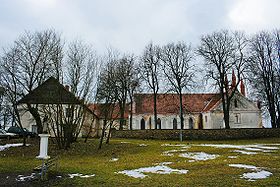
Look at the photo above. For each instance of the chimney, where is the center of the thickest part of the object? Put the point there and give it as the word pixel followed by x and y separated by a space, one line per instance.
pixel 67 87
pixel 242 88
pixel 233 79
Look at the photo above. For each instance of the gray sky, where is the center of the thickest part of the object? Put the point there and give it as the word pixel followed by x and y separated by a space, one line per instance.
pixel 129 25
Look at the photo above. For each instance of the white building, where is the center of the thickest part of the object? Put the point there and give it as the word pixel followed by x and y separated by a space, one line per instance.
pixel 201 111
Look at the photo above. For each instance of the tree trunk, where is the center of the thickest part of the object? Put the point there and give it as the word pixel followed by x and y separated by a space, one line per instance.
pixel 131 107
pixel 225 108
pixel 102 134
pixel 181 111
pixel 226 119
pixel 155 110
pixel 109 134
pixel 122 111
pixel 34 112
pixel 24 140
pixel 181 117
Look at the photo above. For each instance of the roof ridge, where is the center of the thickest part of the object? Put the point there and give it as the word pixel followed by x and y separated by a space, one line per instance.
pixel 177 94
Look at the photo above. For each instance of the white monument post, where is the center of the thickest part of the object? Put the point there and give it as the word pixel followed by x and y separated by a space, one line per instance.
pixel 43 155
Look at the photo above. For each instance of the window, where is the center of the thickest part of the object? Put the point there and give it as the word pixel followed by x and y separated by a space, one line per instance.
pixel 205 118
pixel 190 123
pixel 142 124
pixel 159 123
pixel 237 118
pixel 174 123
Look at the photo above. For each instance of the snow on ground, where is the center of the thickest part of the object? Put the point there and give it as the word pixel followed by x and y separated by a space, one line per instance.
pixel 171 152
pixel 232 156
pixel 252 176
pixel 3 147
pixel 80 175
pixel 175 145
pixel 245 149
pixel 244 166
pixel 143 145
pixel 164 163
pixel 198 156
pixel 124 142
pixel 114 159
pixel 245 152
pixel 22 178
pixel 160 169
pixel 257 173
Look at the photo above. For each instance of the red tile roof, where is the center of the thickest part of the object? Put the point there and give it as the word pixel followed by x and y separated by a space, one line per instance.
pixel 169 103
pixel 99 109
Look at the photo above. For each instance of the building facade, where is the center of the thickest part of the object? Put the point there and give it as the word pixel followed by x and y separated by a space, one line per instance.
pixel 201 111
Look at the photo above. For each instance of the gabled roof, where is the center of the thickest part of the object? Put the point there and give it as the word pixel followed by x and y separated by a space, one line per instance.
pixel 169 103
pixel 50 92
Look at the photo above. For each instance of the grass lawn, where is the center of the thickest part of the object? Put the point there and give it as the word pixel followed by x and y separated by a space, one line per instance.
pixel 84 158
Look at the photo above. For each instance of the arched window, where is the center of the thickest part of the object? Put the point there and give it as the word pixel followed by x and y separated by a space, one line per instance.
pixel 142 124
pixel 190 123
pixel 159 123
pixel 174 123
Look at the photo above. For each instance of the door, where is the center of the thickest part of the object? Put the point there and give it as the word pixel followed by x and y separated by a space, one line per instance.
pixel 142 124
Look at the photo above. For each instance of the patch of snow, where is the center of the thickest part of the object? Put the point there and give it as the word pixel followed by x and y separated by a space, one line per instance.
pixel 245 152
pixel 133 173
pixel 80 175
pixel 22 178
pixel 114 159
pixel 252 176
pixel 256 175
pixel 232 156
pixel 244 166
pixel 164 163
pixel 173 151
pixel 198 156
pixel 3 147
pixel 143 145
pixel 160 169
pixel 265 146
pixel 167 154
pixel 253 147
pixel 277 144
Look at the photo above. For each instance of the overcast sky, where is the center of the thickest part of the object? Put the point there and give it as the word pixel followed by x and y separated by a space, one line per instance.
pixel 129 25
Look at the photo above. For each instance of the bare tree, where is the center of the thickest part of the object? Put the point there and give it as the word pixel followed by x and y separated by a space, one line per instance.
pixel 150 72
pixel 178 70
pixel 134 85
pixel 265 72
pixel 33 58
pixel 124 73
pixel 223 52
pixel 82 69
pixel 107 94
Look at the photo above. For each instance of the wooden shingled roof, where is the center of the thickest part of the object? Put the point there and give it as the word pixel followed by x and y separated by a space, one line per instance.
pixel 50 92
